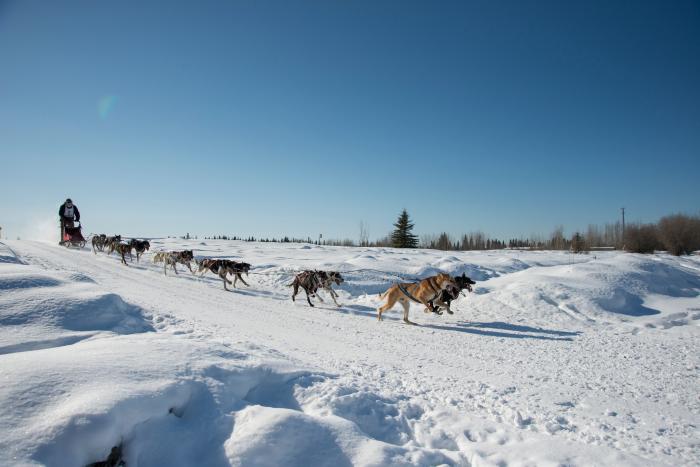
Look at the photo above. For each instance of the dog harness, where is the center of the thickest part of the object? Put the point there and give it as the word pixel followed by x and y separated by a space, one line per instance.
pixel 408 294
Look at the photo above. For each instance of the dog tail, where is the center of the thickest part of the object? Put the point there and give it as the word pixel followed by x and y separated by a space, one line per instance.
pixel 294 282
pixel 381 295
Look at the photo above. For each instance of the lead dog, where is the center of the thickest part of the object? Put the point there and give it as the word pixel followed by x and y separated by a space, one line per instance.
pixel 311 281
pixel 463 283
pixel 171 258
pixel 423 292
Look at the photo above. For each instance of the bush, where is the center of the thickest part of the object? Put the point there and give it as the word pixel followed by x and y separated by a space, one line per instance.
pixel 680 234
pixel 641 238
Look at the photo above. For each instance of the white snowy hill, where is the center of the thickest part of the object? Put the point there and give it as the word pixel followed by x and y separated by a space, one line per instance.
pixel 553 360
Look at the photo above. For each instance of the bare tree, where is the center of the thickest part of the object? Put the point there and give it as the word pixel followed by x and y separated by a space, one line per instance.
pixel 680 234
pixel 641 238
pixel 364 234
pixel 557 240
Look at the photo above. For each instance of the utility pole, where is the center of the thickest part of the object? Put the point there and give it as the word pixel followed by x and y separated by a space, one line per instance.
pixel 623 227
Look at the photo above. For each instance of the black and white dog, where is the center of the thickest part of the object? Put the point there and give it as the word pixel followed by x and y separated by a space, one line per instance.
pixel 224 267
pixel 140 247
pixel 311 281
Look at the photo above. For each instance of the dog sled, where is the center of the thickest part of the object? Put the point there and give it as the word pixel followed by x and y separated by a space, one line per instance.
pixel 72 235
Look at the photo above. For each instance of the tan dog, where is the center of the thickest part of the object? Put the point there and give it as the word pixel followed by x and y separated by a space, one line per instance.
pixel 423 292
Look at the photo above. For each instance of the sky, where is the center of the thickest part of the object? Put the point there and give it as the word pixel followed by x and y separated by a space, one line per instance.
pixel 303 118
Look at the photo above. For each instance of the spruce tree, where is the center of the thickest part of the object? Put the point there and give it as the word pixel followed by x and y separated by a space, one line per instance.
pixel 402 236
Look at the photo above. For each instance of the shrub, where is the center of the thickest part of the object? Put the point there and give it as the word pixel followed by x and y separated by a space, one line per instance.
pixel 641 238
pixel 680 234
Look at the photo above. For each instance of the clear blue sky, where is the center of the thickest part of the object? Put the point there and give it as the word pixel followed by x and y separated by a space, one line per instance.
pixel 272 118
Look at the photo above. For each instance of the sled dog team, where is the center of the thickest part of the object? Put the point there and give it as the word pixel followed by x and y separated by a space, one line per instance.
pixel 434 292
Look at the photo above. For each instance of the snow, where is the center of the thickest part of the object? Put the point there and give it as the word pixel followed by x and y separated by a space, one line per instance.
pixel 553 360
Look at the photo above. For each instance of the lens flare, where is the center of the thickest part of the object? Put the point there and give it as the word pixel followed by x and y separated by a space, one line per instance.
pixel 105 105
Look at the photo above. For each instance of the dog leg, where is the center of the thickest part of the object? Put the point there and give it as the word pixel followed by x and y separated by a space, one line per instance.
pixel 383 308
pixel 307 298
pixel 333 295
pixel 447 307
pixel 241 279
pixel 431 307
pixel 222 275
pixel 406 307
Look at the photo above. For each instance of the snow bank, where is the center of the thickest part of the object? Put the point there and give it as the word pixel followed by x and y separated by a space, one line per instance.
pixel 626 288
pixel 39 309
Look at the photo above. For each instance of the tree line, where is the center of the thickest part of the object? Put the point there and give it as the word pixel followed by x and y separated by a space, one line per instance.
pixel 678 234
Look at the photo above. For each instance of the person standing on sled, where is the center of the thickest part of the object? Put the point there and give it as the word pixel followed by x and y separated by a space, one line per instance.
pixel 68 212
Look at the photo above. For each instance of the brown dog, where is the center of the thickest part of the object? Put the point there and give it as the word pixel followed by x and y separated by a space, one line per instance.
pixel 111 243
pixel 123 249
pixel 423 292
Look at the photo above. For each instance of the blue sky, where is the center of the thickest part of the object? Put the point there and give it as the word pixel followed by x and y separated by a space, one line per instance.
pixel 299 118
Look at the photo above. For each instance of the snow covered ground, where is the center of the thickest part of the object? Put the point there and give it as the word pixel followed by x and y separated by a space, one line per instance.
pixel 553 360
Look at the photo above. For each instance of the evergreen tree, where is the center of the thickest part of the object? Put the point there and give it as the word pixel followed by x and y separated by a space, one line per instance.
pixel 578 244
pixel 402 236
